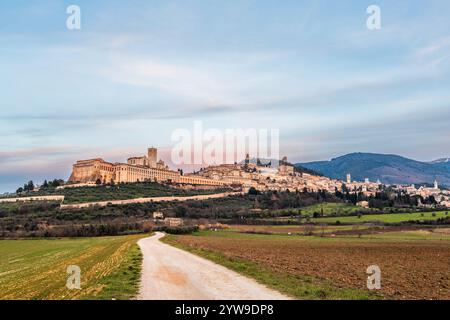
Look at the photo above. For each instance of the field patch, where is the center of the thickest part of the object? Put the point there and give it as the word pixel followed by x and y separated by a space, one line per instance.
pixel 331 268
pixel 36 269
pixel 387 217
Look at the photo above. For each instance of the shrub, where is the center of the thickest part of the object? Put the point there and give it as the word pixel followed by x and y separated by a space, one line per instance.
pixel 177 230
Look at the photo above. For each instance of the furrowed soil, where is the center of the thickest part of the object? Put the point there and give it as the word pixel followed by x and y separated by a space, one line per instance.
pixel 409 269
pixel 37 269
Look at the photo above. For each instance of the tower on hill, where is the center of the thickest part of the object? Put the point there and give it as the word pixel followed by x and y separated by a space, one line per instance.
pixel 152 157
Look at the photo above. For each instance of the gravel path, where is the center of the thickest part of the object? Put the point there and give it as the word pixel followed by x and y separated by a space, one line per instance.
pixel 171 273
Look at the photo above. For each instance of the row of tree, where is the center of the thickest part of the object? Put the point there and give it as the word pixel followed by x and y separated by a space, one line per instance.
pixel 384 198
pixel 52 184
pixel 30 186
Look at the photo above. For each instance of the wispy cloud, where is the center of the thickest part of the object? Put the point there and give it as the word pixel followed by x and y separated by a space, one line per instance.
pixel 35 153
pixel 139 70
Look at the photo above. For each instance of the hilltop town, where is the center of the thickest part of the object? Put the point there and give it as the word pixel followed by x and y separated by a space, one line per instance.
pixel 261 176
pixel 248 174
pixel 256 174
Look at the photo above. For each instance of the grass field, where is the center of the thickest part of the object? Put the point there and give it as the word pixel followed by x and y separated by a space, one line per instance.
pixel 327 209
pixel 331 268
pixel 128 191
pixel 120 192
pixel 389 218
pixel 36 269
pixel 442 234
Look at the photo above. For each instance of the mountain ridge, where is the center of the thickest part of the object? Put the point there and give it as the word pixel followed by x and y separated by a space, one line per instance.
pixel 388 168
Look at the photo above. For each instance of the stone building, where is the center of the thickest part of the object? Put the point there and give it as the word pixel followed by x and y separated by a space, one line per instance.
pixel 173 222
pixel 137 169
pixel 246 175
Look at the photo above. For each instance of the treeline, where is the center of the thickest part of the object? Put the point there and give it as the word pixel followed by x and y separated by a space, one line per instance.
pixel 384 199
pixel 177 230
pixel 47 219
pixel 287 200
pixel 52 184
pixel 41 229
pixel 29 186
pixel 254 204
pixel 47 185
pixel 25 208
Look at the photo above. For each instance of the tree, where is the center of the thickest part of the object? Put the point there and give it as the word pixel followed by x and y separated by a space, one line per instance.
pixel 20 190
pixel 45 184
pixel 28 186
pixel 180 211
pixel 56 183
pixel 344 188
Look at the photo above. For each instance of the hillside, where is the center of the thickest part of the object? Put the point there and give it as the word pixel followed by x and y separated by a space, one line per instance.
pixel 388 168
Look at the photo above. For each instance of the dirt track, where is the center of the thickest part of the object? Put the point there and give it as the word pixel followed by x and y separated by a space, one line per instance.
pixel 171 273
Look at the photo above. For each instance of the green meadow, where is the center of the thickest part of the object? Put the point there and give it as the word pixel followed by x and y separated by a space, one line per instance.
pixel 37 269
pixel 388 218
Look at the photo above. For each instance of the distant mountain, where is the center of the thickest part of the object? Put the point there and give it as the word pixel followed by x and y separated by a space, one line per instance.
pixel 442 164
pixel 442 160
pixel 390 169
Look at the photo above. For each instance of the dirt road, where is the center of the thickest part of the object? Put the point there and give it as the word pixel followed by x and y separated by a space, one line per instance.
pixel 171 273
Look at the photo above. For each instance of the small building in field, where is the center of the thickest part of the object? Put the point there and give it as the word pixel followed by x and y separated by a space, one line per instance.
pixel 173 222
pixel 363 204
pixel 158 215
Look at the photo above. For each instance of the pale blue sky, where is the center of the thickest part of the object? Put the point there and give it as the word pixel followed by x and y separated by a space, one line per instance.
pixel 137 70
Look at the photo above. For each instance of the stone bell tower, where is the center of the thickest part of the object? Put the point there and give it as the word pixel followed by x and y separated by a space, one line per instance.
pixel 152 156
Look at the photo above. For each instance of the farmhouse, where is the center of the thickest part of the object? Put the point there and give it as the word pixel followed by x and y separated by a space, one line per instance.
pixel 173 222
pixel 158 215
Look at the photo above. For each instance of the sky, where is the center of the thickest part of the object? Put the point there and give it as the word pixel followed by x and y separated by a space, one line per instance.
pixel 138 70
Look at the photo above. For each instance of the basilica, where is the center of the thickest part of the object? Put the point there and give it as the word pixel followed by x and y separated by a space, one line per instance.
pixel 247 174
pixel 137 169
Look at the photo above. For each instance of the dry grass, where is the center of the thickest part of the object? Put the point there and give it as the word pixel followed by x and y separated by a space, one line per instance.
pixel 36 269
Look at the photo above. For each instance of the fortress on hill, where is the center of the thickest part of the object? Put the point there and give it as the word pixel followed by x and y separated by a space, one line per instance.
pixel 137 169
pixel 247 174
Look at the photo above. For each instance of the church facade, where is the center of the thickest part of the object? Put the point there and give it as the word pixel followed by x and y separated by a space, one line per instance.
pixel 137 169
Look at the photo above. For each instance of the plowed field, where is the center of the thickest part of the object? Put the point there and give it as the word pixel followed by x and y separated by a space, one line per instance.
pixel 409 269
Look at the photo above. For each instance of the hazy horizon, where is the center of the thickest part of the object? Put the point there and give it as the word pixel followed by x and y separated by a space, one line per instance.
pixel 62 172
